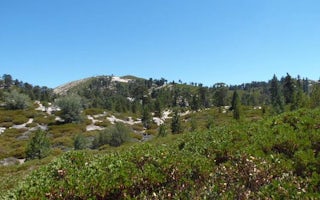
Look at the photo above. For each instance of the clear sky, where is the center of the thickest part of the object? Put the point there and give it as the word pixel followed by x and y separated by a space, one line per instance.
pixel 51 42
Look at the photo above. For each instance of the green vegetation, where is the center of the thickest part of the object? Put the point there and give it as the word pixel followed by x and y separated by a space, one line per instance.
pixel 252 141
pixel 38 147
pixel 276 158
pixel 113 136
pixel 15 100
pixel 80 142
pixel 71 108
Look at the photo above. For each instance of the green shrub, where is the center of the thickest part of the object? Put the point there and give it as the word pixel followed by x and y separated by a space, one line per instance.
pixel 93 111
pixel 62 142
pixel 80 142
pixel 32 125
pixel 114 136
pixel 5 118
pixel 38 146
pixel 15 100
pixel 44 120
pixel 103 123
pixel 20 120
pixel 138 127
pixel 71 108
pixel 6 124
pixel 66 129
pixel 152 132
pixel 136 136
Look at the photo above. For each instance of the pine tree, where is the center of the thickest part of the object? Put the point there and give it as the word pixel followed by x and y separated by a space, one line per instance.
pixel 80 142
pixel 176 124
pixel 236 105
pixel 195 103
pixel 146 117
pixel 276 96
pixel 288 89
pixel 162 131
pixel 158 108
pixel 38 147
pixel 315 95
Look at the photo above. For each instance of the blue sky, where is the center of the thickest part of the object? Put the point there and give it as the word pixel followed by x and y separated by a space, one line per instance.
pixel 205 41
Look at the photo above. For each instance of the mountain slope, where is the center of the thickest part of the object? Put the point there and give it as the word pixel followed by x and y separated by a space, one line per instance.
pixel 276 158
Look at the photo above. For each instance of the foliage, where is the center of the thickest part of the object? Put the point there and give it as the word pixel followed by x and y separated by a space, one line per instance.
pixel 38 147
pixel 276 96
pixel 71 108
pixel 162 131
pixel 80 142
pixel 114 136
pixel 276 158
pixel 15 100
pixel 146 117
pixel 236 105
pixel 176 127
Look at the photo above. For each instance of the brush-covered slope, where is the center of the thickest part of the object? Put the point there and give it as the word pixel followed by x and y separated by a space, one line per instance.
pixel 277 158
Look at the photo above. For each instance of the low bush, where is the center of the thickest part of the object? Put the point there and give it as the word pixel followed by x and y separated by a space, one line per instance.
pixel 44 120
pixel 93 111
pixel 6 124
pixel 20 120
pixel 66 129
pixel 103 123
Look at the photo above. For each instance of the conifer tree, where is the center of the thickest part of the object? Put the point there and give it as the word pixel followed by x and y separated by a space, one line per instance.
pixel 146 117
pixel 315 95
pixel 38 147
pixel 236 105
pixel 162 131
pixel 288 89
pixel 80 142
pixel 276 96
pixel 176 123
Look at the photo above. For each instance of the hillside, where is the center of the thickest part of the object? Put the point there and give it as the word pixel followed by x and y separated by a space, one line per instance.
pixel 160 139
pixel 277 158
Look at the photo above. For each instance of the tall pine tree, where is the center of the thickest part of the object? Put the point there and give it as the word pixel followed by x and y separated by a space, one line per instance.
pixel 236 105
pixel 288 89
pixel 176 123
pixel 276 96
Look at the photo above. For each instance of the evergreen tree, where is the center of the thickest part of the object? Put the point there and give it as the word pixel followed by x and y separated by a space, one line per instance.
pixel 305 85
pixel 7 78
pixel 315 95
pixel 119 135
pixel 236 105
pixel 193 124
pixel 203 96
pixel 162 131
pixel 80 142
pixel 221 94
pixel 276 96
pixel 146 117
pixel 195 103
pixel 38 147
pixel 176 123
pixel 158 108
pixel 288 89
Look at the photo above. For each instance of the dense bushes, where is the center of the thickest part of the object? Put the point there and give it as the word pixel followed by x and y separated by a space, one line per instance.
pixel 15 100
pixel 271 159
pixel 114 136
